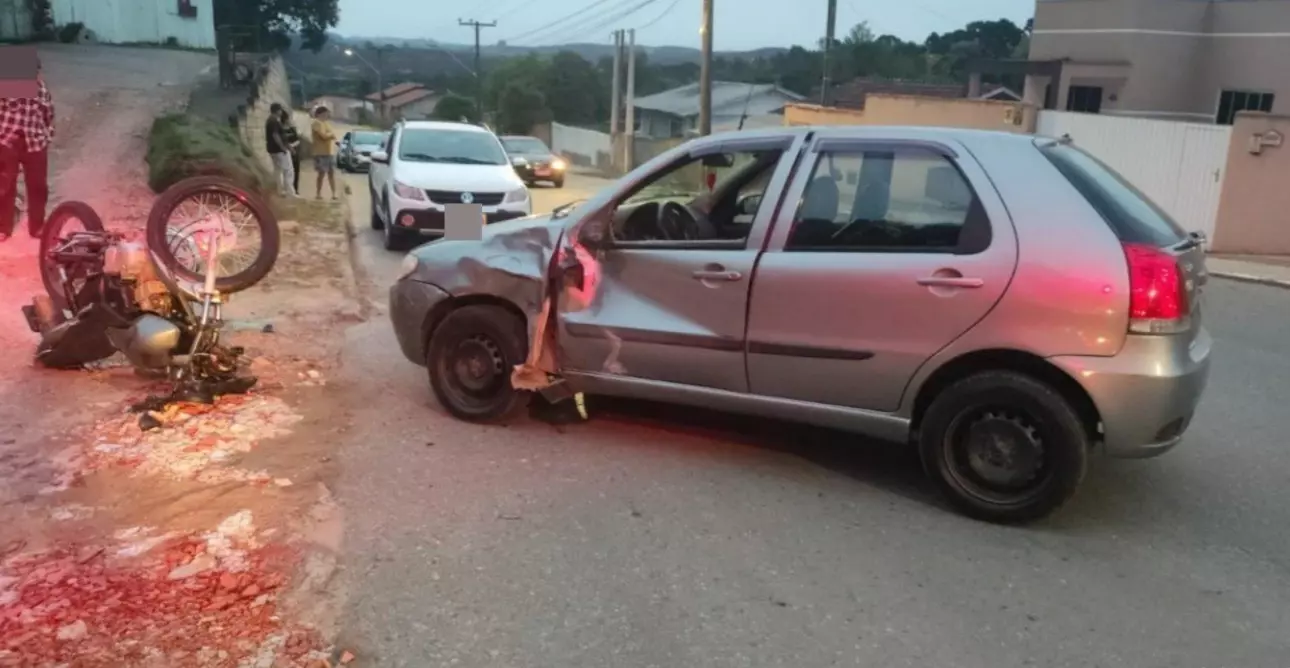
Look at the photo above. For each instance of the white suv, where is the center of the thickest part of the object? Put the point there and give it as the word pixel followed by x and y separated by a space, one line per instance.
pixel 426 165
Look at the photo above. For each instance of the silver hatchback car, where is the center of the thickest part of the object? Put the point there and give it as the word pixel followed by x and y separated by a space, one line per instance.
pixel 1006 303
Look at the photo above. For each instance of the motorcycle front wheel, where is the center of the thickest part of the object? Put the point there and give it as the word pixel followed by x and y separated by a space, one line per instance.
pixel 194 207
pixel 66 219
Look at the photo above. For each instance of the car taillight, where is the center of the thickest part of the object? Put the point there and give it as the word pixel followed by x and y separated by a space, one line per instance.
pixel 1157 291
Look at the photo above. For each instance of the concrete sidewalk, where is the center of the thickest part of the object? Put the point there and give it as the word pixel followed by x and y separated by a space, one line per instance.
pixel 1267 270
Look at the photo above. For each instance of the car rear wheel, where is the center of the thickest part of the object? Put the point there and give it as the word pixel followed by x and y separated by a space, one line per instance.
pixel 470 358
pixel 1004 447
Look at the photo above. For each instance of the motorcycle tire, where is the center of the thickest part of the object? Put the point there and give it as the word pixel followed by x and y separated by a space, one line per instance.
pixel 164 207
pixel 52 234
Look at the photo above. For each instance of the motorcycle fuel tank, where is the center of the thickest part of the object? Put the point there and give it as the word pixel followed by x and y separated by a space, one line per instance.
pixel 148 343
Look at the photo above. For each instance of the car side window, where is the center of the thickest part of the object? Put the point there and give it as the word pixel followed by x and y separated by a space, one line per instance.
pixel 889 201
pixel 713 198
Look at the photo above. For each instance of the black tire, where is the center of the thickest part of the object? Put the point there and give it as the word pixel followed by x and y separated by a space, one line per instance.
pixel 1047 429
pixel 270 235
pixel 559 183
pixel 49 238
pixel 376 215
pixel 473 331
pixel 393 238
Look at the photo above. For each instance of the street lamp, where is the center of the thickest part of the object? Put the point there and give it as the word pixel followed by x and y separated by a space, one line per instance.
pixel 380 83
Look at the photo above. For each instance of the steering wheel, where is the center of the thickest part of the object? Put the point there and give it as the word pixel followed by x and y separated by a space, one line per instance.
pixel 677 223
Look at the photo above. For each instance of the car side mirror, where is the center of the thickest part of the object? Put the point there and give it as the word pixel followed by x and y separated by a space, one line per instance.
pixel 748 204
pixel 381 157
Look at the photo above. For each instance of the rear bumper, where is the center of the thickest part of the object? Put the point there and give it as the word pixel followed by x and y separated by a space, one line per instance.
pixel 1147 394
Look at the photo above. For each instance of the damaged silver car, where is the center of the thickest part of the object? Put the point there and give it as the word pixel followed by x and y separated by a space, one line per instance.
pixel 1006 303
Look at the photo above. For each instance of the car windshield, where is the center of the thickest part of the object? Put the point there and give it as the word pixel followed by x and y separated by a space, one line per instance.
pixel 368 138
pixel 463 147
pixel 525 145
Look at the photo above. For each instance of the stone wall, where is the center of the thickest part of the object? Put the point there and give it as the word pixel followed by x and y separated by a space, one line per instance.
pixel 271 85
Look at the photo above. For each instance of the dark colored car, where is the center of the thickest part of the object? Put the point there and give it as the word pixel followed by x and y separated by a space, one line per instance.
pixel 533 161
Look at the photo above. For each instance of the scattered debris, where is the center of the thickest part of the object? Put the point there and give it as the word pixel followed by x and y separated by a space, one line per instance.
pixel 193 441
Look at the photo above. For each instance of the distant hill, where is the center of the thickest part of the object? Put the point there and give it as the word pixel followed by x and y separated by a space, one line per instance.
pixel 661 55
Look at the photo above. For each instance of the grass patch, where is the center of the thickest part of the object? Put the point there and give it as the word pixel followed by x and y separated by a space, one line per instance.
pixel 181 146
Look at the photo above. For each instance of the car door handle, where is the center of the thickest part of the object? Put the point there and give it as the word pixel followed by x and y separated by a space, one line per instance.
pixel 716 275
pixel 951 282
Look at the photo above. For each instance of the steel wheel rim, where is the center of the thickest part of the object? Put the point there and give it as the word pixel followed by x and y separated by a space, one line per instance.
pixel 999 455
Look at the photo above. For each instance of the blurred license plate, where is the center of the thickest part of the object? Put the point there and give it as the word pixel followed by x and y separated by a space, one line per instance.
pixel 542 171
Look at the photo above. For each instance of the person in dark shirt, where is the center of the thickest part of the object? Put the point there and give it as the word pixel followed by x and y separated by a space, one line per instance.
pixel 292 135
pixel 275 142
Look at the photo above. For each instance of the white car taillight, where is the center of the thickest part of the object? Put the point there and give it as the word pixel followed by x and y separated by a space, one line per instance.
pixel 408 192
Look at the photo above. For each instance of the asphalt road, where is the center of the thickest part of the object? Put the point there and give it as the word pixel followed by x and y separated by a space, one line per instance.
pixel 658 537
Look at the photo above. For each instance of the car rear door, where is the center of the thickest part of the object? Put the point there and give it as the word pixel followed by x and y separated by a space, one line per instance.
pixel 897 248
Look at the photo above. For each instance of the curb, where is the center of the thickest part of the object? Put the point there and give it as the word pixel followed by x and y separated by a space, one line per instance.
pixel 1251 278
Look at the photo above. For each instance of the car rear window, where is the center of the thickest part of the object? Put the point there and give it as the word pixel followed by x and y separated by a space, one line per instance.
pixel 1131 215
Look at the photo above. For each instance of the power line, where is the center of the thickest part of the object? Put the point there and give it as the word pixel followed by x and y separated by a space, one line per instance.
pixel 660 17
pixel 556 22
pixel 584 29
pixel 576 27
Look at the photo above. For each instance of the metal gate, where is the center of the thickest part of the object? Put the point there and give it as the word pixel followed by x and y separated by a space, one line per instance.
pixel 1179 166
pixel 15 21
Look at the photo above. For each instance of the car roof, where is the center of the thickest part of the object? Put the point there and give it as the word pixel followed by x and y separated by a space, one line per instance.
pixel 444 125
pixel 519 137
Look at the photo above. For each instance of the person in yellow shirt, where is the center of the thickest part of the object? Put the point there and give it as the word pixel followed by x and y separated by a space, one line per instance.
pixel 324 150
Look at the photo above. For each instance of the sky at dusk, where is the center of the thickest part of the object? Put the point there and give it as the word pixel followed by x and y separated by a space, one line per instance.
pixel 739 24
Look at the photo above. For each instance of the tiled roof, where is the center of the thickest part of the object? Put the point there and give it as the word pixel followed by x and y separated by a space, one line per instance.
pixel 408 98
pixel 395 91
pixel 852 94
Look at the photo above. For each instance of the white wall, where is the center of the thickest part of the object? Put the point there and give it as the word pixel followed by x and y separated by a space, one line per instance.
pixel 1180 166
pixel 150 21
pixel 579 145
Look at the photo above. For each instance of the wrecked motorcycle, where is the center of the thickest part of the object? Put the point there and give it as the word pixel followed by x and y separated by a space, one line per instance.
pixel 158 303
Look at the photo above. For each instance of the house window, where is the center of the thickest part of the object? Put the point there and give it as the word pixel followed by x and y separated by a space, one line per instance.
pixel 676 127
pixel 187 9
pixel 1232 101
pixel 1087 99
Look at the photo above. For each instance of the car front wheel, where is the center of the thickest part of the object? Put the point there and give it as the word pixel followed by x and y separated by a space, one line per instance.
pixel 1004 447
pixel 470 358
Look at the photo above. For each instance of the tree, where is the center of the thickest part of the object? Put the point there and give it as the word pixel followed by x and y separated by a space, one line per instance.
pixel 521 107
pixel 530 70
pixel 453 107
pixel 268 25
pixel 572 88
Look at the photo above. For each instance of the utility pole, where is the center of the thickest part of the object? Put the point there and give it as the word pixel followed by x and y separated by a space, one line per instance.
pixel 826 82
pixel 479 90
pixel 380 84
pixel 705 72
pixel 630 127
pixel 615 99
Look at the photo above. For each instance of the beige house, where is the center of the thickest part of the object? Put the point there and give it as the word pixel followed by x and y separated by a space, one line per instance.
pixel 1187 60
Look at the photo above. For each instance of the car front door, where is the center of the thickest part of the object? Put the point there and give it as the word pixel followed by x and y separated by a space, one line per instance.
pixel 897 248
pixel 670 309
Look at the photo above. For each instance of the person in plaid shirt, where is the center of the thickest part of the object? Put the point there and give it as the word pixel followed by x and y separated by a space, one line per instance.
pixel 26 129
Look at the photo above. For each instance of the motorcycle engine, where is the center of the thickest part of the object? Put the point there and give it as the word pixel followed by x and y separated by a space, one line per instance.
pixel 129 261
